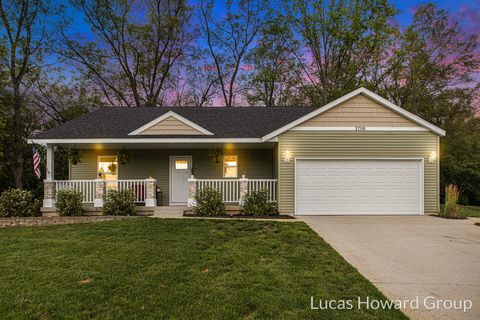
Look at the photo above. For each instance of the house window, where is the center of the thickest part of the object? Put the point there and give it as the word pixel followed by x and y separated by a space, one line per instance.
pixel 107 167
pixel 181 164
pixel 230 167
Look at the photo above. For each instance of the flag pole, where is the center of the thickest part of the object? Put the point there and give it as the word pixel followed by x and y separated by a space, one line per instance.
pixel 41 158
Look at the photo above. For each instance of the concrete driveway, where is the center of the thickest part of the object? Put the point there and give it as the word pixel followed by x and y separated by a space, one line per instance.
pixel 406 257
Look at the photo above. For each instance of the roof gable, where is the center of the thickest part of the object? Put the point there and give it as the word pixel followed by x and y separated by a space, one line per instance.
pixel 359 110
pixel 367 93
pixel 170 123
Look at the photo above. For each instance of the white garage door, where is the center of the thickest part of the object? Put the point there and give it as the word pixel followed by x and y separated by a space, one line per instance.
pixel 335 187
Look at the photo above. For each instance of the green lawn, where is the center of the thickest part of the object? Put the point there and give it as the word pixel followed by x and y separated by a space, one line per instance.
pixel 186 269
pixel 468 211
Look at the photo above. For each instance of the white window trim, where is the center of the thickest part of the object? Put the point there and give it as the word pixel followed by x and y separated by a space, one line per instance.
pixel 173 115
pixel 223 165
pixel 106 156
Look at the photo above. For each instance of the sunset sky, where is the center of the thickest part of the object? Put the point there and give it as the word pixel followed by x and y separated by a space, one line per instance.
pixel 467 12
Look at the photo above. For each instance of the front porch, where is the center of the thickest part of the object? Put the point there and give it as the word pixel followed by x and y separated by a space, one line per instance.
pixel 165 177
pixel 95 191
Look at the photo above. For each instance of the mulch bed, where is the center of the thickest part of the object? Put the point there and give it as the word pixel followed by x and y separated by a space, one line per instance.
pixel 236 215
pixel 45 221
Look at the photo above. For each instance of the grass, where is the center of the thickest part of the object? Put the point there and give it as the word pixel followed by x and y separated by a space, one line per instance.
pixel 185 269
pixel 467 211
pixel 470 211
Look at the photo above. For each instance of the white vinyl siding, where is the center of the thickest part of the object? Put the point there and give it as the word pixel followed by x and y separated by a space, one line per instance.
pixel 356 145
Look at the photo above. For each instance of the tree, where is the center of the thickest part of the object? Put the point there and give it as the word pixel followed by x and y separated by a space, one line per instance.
pixel 60 100
pixel 342 38
pixel 130 59
pixel 430 72
pixel 193 82
pixel 275 78
pixel 201 81
pixel 433 60
pixel 24 36
pixel 229 39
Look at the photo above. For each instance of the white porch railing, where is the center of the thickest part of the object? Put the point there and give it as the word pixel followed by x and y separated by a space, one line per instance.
pixel 269 184
pixel 88 188
pixel 231 188
pixel 139 187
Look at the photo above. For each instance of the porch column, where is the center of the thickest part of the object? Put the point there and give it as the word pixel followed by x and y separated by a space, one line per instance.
pixel 48 183
pixel 192 191
pixel 243 189
pixel 99 192
pixel 150 199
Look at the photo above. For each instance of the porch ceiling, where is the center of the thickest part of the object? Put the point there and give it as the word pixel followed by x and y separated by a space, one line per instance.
pixel 177 145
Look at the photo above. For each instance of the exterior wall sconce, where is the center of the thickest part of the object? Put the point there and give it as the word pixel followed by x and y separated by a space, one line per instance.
pixel 287 156
pixel 433 156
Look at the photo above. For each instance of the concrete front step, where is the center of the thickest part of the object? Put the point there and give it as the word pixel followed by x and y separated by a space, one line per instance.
pixel 170 208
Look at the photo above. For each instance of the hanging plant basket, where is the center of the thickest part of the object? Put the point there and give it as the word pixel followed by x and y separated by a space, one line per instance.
pixel 124 156
pixel 74 155
pixel 217 155
pixel 112 167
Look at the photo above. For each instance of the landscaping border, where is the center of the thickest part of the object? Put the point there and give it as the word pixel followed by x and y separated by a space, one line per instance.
pixel 45 221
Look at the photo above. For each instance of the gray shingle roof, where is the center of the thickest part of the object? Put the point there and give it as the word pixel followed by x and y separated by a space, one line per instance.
pixel 223 122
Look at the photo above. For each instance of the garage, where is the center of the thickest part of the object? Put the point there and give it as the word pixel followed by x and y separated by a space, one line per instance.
pixel 358 186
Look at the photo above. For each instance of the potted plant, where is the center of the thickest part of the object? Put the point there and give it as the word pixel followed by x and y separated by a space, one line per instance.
pixel 217 154
pixel 124 156
pixel 191 173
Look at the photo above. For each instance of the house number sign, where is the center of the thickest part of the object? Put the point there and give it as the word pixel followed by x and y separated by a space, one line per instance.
pixel 360 128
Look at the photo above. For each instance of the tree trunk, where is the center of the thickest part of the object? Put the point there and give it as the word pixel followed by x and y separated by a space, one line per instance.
pixel 17 165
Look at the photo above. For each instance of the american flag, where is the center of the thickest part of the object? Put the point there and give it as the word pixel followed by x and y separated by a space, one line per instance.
pixel 36 163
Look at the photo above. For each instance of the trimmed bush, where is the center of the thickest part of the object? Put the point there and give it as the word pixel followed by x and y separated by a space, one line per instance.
pixel 452 194
pixel 209 202
pixel 257 204
pixel 119 203
pixel 69 203
pixel 18 203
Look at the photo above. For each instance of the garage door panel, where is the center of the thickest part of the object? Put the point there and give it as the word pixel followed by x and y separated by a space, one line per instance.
pixel 360 186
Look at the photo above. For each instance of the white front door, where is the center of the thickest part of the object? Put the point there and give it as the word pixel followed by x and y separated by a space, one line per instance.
pixel 361 186
pixel 180 171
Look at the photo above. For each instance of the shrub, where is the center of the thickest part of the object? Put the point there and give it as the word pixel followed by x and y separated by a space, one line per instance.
pixel 18 203
pixel 452 194
pixel 256 203
pixel 119 203
pixel 209 202
pixel 69 203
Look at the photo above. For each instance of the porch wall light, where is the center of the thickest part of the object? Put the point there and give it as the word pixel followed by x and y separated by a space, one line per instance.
pixel 433 156
pixel 287 156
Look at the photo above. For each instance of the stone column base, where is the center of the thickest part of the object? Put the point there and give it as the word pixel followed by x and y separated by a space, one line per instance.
pixel 48 203
pixel 98 203
pixel 48 194
pixel 150 202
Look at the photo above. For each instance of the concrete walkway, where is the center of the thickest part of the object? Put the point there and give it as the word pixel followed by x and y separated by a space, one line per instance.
pixel 406 257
